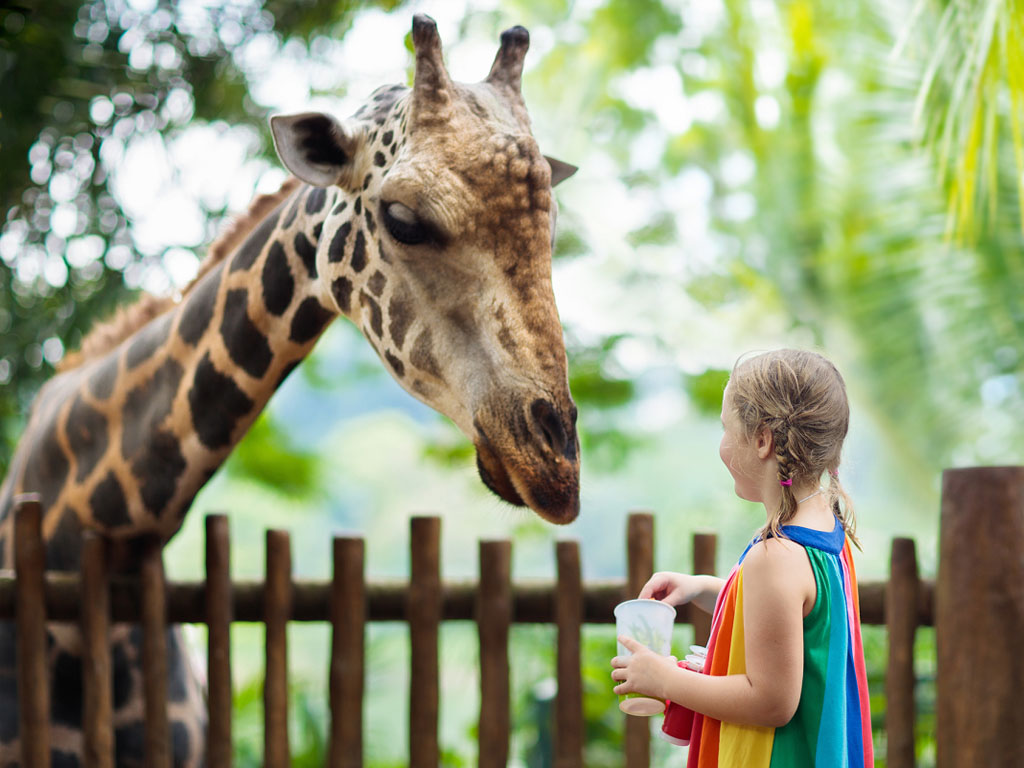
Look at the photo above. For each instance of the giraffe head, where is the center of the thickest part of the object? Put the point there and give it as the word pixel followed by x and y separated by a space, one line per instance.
pixel 438 247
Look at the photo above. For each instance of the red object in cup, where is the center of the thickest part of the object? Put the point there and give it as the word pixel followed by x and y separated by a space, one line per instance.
pixel 678 724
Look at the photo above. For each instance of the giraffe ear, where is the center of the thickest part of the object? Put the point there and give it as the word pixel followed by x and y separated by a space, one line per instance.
pixel 560 171
pixel 315 147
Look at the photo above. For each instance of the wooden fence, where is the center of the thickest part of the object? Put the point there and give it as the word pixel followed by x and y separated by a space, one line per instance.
pixel 95 599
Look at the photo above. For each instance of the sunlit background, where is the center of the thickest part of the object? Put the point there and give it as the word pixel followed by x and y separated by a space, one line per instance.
pixel 753 174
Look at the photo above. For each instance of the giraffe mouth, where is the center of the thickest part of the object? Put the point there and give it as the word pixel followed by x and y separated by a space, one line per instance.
pixel 550 487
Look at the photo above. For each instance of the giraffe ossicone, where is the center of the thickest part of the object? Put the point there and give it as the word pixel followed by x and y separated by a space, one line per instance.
pixel 427 219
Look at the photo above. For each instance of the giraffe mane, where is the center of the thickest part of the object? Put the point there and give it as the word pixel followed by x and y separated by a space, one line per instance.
pixel 126 320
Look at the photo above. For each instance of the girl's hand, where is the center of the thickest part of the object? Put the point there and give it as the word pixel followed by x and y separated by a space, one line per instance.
pixel 670 587
pixel 644 672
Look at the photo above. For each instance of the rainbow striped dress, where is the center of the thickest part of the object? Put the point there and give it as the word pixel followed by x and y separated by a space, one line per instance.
pixel 832 724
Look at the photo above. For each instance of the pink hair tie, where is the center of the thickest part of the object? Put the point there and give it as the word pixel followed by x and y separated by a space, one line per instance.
pixel 786 482
pixel 834 472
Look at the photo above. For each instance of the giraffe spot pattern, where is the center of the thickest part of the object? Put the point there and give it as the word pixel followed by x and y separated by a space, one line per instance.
pixel 63 548
pixel 278 283
pixel 293 211
pixel 307 251
pixel 315 199
pixel 61 759
pixel 198 311
pixel 379 159
pixel 366 301
pixel 400 317
pixel 359 252
pixel 251 249
pixel 336 251
pixel 396 365
pixel 46 469
pixel 371 223
pixel 357 206
pixel 217 403
pixel 309 320
pixel 147 341
pixel 246 344
pixel 108 504
pixel 287 372
pixel 66 690
pixel 87 435
pixel 422 354
pixel 123 684
pixel 102 380
pixel 147 406
pixel 158 468
pixel 377 283
pixel 341 289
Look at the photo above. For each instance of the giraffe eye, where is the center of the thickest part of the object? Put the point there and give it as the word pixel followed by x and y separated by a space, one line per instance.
pixel 404 225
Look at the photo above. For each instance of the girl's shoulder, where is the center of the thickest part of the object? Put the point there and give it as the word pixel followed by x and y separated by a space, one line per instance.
pixel 780 567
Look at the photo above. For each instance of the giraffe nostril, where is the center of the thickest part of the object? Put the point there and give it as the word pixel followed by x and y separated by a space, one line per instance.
pixel 558 435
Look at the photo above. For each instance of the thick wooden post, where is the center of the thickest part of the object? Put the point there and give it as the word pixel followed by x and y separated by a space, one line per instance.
pixel 424 611
pixel 348 653
pixel 97 701
pixel 30 621
pixel 494 619
pixel 277 611
pixel 218 593
pixel 639 568
pixel 901 619
pixel 153 611
pixel 979 618
pixel 568 736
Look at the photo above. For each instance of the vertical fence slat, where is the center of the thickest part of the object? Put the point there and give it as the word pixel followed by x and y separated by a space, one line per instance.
pixel 901 619
pixel 153 613
pixel 97 696
pixel 494 617
pixel 979 618
pixel 277 608
pixel 424 614
pixel 639 568
pixel 705 548
pixel 218 620
pixel 30 621
pixel 348 653
pixel 568 736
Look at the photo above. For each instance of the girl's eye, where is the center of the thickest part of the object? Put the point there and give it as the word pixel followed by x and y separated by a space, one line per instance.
pixel 404 225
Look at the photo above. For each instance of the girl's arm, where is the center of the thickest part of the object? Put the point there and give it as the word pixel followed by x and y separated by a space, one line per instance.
pixel 778 589
pixel 678 588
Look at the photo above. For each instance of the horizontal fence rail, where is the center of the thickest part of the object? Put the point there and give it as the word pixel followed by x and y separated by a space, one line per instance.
pixel 96 598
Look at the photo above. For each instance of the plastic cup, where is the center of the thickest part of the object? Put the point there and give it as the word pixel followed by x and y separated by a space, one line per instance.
pixel 648 622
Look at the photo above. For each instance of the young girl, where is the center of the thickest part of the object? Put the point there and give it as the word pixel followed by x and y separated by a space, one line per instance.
pixel 783 681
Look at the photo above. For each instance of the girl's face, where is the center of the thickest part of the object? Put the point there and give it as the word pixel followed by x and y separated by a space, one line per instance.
pixel 739 453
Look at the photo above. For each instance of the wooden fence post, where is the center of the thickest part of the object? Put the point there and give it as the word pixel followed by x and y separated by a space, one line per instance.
pixel 423 608
pixel 154 653
pixel 30 612
pixel 979 618
pixel 494 618
pixel 277 610
pixel 639 568
pixel 901 602
pixel 218 591
pixel 348 653
pixel 568 736
pixel 97 702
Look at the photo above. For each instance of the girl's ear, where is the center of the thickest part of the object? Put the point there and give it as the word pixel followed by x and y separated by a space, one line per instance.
pixel 765 443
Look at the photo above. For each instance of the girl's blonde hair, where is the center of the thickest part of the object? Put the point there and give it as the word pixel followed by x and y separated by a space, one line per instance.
pixel 801 398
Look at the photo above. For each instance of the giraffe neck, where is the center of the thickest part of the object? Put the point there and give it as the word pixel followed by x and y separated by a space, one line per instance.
pixel 123 443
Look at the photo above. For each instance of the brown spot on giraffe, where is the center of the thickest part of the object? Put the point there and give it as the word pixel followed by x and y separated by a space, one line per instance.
pixel 426 219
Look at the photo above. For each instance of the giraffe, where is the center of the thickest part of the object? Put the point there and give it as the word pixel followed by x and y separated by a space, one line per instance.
pixel 427 219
